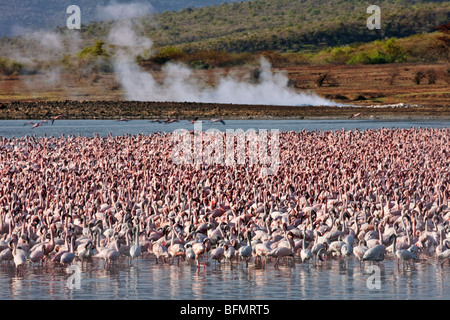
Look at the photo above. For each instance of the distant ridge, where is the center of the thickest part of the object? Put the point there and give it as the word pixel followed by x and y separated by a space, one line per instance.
pixel 306 26
pixel 17 17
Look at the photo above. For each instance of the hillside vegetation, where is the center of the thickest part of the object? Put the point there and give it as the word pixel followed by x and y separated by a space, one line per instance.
pixel 427 47
pixel 286 32
pixel 284 25
pixel 18 16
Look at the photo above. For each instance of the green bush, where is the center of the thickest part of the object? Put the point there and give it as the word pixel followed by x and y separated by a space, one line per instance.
pixel 201 59
pixel 359 58
pixel 393 51
pixel 9 67
pixel 388 51
pixel 95 50
pixel 167 54
pixel 91 59
pixel 339 55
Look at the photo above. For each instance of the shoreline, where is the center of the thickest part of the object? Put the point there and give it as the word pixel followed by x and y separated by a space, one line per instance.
pixel 76 109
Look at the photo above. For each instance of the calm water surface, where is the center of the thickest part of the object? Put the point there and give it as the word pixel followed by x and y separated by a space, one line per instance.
pixel 144 279
pixel 10 128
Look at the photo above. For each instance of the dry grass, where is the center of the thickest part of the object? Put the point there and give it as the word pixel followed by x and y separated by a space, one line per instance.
pixel 354 84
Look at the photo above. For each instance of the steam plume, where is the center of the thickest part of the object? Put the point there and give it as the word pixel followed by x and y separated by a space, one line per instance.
pixel 179 85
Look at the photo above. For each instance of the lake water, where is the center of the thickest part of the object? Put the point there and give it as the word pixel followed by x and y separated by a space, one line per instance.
pixel 10 128
pixel 144 279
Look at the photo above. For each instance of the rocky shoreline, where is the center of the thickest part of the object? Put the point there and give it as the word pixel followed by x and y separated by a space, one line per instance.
pixel 75 109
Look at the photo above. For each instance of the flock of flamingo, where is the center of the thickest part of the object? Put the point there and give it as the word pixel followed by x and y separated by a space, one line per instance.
pixel 368 195
pixel 168 120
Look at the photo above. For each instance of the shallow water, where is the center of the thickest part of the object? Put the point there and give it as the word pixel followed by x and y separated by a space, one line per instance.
pixel 144 279
pixel 16 128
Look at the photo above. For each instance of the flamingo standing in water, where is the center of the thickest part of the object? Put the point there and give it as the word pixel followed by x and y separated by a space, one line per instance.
pixel 19 257
pixel 160 251
pixel 346 249
pixel 282 251
pixel 305 253
pixel 261 251
pixel 84 252
pixel 67 257
pixel 230 250
pixel 37 255
pixel 189 252
pixel 375 254
pixel 135 248
pixel 401 254
pixel 50 245
pixel 217 254
pixel 444 256
pixel 176 249
pixel 110 255
pixel 6 255
pixel 245 252
pixel 360 250
pixel 199 250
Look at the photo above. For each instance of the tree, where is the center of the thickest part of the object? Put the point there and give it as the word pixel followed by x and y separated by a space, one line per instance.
pixel 419 76
pixel 91 59
pixel 442 42
pixel 9 67
pixel 394 52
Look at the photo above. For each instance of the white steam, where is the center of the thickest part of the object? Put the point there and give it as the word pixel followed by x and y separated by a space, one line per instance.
pixel 41 51
pixel 179 82
pixel 179 85
pixel 40 46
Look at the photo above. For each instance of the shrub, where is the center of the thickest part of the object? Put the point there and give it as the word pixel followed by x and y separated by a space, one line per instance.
pixel 392 75
pixel 384 52
pixel 94 50
pixel 339 55
pixel 276 59
pixel 9 67
pixel 91 59
pixel 419 76
pixel 326 78
pixel 363 57
pixel 431 75
pixel 167 54
pixel 394 52
pixel 373 57
pixel 378 57
pixel 297 58
pixel 447 75
pixel 205 59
